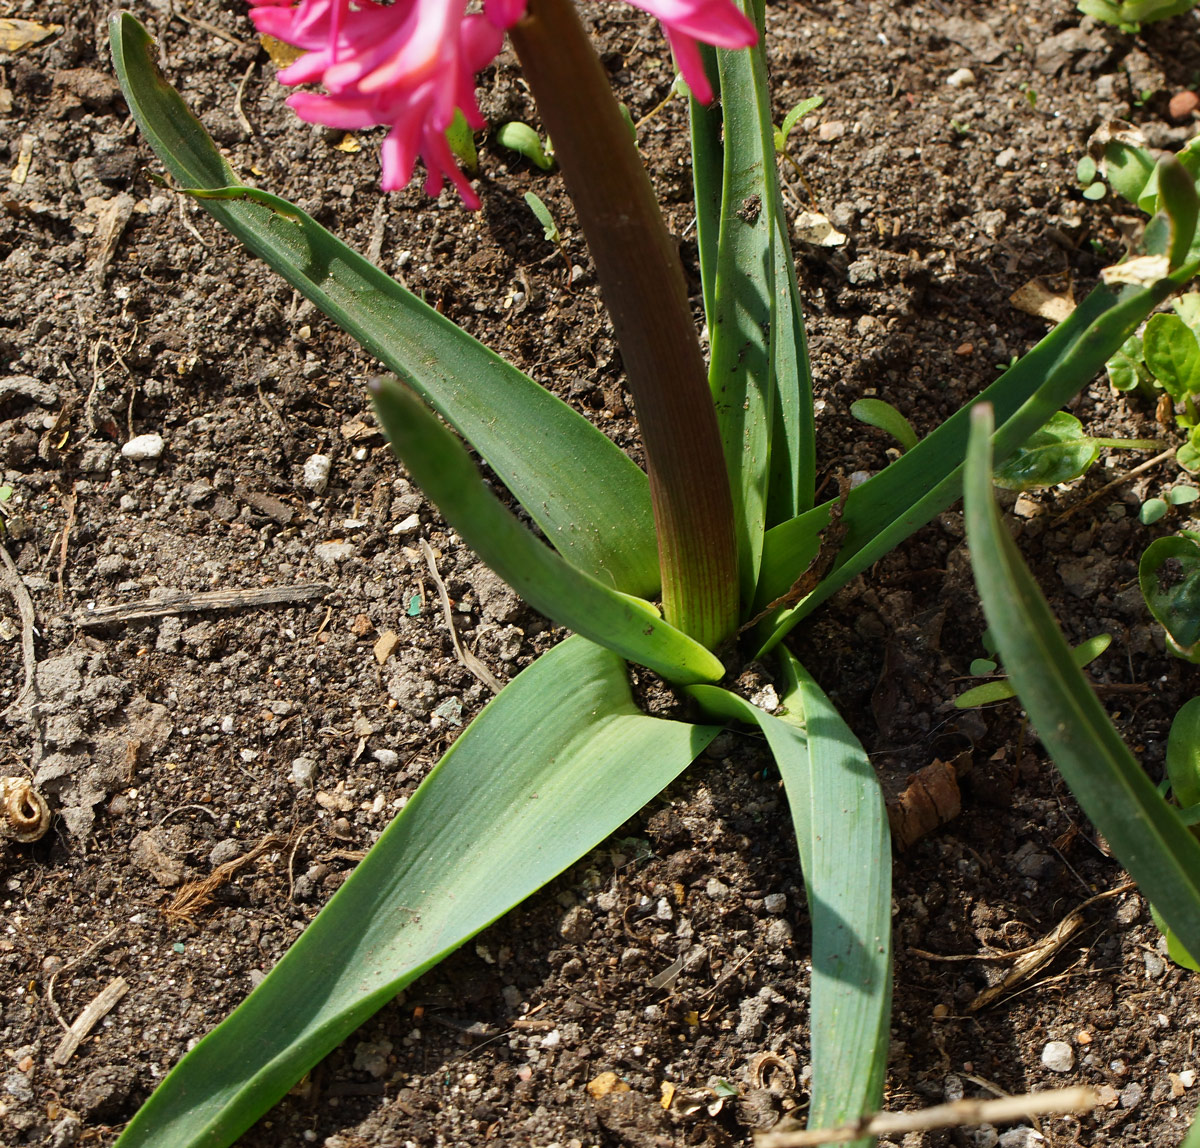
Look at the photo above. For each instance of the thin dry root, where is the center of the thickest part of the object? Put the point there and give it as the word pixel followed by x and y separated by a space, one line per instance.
pixel 24 814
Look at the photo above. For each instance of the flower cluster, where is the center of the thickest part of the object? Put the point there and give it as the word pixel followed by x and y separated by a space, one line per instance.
pixel 411 64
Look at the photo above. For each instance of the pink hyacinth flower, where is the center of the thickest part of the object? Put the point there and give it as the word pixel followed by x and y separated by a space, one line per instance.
pixel 688 23
pixel 411 64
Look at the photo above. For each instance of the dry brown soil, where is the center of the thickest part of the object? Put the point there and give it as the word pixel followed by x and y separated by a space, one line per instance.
pixel 169 747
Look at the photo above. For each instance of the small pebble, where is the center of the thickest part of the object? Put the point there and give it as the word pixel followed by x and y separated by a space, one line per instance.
pixel 986 1136
pixel 962 78
pixel 1187 1078
pixel 831 130
pixel 775 902
pixel 304 771
pixel 143 447
pixel 1155 965
pixel 1007 157
pixel 386 757
pixel 1132 1094
pixel 316 472
pixel 1021 1137
pixel 1182 105
pixel 224 851
pixel 333 552
pixel 1058 1056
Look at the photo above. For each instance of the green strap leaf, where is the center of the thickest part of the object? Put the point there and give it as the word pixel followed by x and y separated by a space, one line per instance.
pixel 744 311
pixel 440 465
pixel 561 469
pixel 838 811
pixel 1145 834
pixel 759 371
pixel 920 484
pixel 549 769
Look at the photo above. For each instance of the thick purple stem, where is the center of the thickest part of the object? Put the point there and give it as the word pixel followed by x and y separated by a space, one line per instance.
pixel 645 292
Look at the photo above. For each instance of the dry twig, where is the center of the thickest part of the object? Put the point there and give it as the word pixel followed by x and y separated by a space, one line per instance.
pixel 11 579
pixel 956 1114
pixel 182 602
pixel 196 895
pixel 97 1009
pixel 466 659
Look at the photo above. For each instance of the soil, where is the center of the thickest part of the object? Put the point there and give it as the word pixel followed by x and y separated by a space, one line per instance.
pixel 271 740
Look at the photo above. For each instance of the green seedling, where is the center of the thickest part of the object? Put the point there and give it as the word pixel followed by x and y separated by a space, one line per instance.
pixel 1130 15
pixel 462 143
pixel 1059 452
pixel 1086 171
pixel 792 119
pixel 1169 575
pixel 780 137
pixel 1154 509
pixel 883 416
pixel 522 139
pixel 550 229
pixel 1001 689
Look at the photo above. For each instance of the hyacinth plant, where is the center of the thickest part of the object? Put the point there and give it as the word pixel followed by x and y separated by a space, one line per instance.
pixel 702 562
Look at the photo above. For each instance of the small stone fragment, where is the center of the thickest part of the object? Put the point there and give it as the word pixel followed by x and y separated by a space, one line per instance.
pixel 605 1083
pixel 775 902
pixel 831 130
pixel 316 472
pixel 961 78
pixel 304 771
pixel 1007 157
pixel 1058 1056
pixel 143 447
pixel 333 552
pixel 1182 105
pixel 1131 1094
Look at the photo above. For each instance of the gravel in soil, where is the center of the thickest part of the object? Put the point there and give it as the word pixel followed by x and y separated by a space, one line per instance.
pixel 261 749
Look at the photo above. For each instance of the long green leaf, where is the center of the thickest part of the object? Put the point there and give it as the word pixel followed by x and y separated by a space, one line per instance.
pixel 708 165
pixel 743 315
pixel 920 484
pixel 1145 833
pixel 440 465
pixel 842 836
pixel 556 763
pixel 561 469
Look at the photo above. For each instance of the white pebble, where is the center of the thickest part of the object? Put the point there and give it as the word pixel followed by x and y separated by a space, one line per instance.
pixel 333 552
pixel 1021 1137
pixel 143 447
pixel 1187 1078
pixel 963 78
pixel 1058 1056
pixel 304 770
pixel 386 757
pixel 316 472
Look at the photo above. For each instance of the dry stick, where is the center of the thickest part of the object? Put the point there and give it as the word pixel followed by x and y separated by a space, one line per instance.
pixel 185 603
pixel 466 659
pixel 1031 958
pixel 1141 468
pixel 94 947
pixel 13 583
pixel 956 1114
pixel 72 501
pixel 97 1009
pixel 237 100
